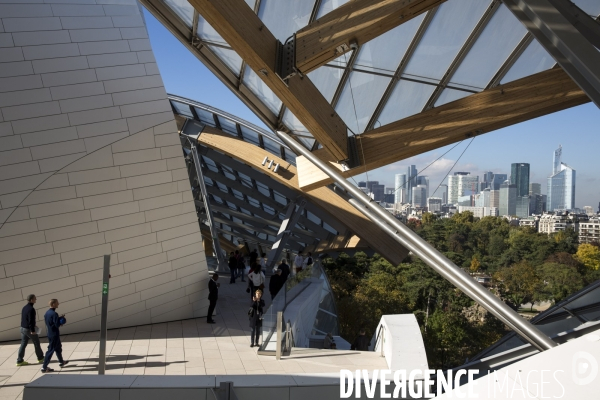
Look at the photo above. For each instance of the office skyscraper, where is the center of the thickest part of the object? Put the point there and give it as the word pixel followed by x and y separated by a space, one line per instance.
pixel 400 187
pixel 498 180
pixel 561 185
pixel 461 184
pixel 378 191
pixel 508 199
pixel 443 193
pixel 424 181
pixel 519 176
pixel 419 196
pixel 411 181
pixel 535 188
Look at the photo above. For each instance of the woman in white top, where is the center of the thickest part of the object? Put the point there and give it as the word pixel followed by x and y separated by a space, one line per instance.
pixel 256 280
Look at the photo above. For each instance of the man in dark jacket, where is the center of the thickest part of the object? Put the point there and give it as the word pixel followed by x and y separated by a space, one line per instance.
pixel 53 323
pixel 285 270
pixel 275 284
pixel 253 256
pixel 28 332
pixel 213 295
pixel 361 343
pixel 232 264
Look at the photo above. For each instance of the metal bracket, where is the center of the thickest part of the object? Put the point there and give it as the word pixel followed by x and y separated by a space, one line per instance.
pixel 285 59
pixel 353 157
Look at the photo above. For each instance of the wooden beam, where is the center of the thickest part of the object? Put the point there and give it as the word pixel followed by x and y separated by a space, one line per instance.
pixel 250 38
pixel 323 197
pixel 357 21
pixel 505 105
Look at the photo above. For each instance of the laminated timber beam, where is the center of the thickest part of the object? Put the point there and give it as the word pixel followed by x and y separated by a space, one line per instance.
pixel 492 109
pixel 355 22
pixel 243 30
pixel 323 197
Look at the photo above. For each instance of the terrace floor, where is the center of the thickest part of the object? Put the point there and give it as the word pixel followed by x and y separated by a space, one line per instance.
pixel 189 347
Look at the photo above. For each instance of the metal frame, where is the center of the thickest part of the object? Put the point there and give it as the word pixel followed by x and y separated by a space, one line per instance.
pixel 551 22
pixel 292 215
pixel 426 252
pixel 209 215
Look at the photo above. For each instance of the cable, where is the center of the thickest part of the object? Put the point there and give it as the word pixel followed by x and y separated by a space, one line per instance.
pixel 450 170
pixel 357 126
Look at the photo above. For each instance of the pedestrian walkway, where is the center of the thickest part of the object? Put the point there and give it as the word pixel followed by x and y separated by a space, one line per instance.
pixel 189 347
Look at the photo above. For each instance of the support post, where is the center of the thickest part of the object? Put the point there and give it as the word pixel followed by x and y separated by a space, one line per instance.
pixel 426 252
pixel 292 215
pixel 279 338
pixel 568 34
pixel 209 215
pixel 104 315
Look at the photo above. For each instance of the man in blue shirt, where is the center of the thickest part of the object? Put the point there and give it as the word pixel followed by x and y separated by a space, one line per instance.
pixel 28 331
pixel 53 323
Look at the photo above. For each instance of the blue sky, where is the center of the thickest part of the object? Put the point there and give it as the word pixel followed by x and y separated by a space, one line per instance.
pixel 576 129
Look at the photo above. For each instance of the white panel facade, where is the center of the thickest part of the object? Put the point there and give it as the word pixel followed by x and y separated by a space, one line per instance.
pixel 90 164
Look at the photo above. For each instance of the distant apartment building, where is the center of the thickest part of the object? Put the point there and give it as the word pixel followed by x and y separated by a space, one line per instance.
pixel 552 223
pixel 480 212
pixel 531 221
pixel 588 210
pixel 589 231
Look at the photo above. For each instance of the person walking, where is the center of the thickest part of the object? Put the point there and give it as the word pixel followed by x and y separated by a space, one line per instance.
pixel 263 263
pixel 256 279
pixel 285 270
pixel 253 256
pixel 256 316
pixel 232 264
pixel 361 342
pixel 241 265
pixel 53 324
pixel 298 262
pixel 275 284
pixel 213 296
pixel 308 261
pixel 28 331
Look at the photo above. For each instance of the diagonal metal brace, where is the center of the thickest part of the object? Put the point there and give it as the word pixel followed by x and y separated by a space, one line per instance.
pixel 292 215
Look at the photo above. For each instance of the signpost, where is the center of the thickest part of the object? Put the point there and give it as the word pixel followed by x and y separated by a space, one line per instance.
pixel 104 316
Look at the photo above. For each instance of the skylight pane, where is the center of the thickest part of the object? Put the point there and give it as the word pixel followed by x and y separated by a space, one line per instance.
pixel 326 79
pixel 533 60
pixel 449 95
pixel 283 18
pixel 230 58
pixel 383 54
pixel 261 90
pixel 490 51
pixel 359 99
pixel 329 5
pixel 408 98
pixel 183 9
pixel 445 36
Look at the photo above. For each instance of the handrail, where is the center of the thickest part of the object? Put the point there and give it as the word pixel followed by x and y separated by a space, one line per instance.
pixel 379 335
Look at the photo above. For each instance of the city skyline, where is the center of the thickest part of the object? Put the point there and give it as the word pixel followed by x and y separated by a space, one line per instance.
pixel 532 141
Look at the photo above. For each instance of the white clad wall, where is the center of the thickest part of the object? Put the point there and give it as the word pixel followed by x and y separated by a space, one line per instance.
pixel 90 164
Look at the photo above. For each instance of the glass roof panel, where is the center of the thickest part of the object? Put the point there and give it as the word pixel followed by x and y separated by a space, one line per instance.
pixel 289 156
pixel 383 54
pixel 408 98
pixel 230 58
pixel 290 120
pixel 533 60
pixel 309 143
pixel 283 18
pixel 326 79
pixel 249 135
pixel 591 7
pixel 498 39
pixel 328 6
pixel 359 98
pixel 272 146
pixel 448 31
pixel 449 95
pixel 205 116
pixel 261 90
pixel 251 3
pixel 183 9
pixel 227 125
pixel 182 109
pixel 208 33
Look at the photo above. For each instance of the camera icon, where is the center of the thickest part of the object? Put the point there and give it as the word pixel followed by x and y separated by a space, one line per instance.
pixel 585 368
